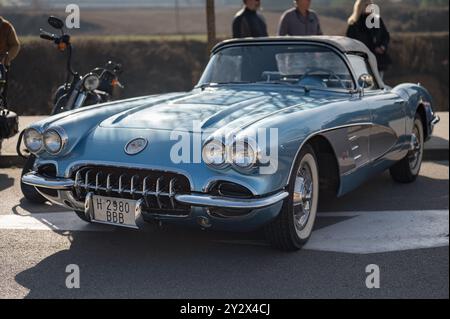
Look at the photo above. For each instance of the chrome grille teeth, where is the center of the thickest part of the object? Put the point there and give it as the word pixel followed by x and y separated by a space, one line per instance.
pixel 97 181
pixel 158 192
pixel 78 183
pixel 86 180
pixel 172 192
pixel 108 183
pixel 120 184
pixel 145 191
pixel 77 178
pixel 132 187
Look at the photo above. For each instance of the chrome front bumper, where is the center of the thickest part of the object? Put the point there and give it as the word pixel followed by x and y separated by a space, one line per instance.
pixel 199 200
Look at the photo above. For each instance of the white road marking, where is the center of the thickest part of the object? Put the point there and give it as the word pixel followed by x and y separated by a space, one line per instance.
pixel 61 221
pixel 382 231
pixel 358 232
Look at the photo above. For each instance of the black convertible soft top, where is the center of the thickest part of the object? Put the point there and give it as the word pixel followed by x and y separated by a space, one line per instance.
pixel 343 44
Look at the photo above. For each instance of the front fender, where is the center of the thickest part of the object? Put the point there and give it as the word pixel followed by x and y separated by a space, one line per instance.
pixel 418 100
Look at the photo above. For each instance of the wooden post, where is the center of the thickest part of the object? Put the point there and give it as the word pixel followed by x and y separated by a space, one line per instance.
pixel 211 24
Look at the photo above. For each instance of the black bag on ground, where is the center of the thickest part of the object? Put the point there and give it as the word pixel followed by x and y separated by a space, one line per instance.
pixel 9 124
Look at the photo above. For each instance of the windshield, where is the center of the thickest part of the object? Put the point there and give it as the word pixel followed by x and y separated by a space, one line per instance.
pixel 311 66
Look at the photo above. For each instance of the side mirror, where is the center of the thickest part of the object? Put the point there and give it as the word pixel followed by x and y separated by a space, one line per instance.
pixel 365 81
pixel 55 22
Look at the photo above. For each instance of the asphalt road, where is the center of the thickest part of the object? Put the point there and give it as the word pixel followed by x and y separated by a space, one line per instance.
pixel 401 228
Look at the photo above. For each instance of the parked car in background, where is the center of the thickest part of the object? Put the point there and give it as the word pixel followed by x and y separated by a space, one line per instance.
pixel 334 122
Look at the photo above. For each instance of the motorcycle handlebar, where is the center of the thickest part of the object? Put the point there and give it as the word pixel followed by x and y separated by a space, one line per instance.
pixel 47 36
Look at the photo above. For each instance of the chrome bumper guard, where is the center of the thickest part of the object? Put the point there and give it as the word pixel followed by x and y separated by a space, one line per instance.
pixel 436 119
pixel 36 180
pixel 200 200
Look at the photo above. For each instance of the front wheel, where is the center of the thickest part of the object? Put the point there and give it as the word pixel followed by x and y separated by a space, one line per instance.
pixel 293 226
pixel 30 192
pixel 82 216
pixel 407 170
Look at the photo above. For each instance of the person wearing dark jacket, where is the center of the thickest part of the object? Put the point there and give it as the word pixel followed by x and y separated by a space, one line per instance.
pixel 248 23
pixel 375 37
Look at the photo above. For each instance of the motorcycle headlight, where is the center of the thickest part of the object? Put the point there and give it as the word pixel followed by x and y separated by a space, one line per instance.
pixel 244 155
pixel 91 82
pixel 33 141
pixel 53 141
pixel 213 153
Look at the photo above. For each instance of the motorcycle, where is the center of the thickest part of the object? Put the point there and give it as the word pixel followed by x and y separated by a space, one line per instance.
pixel 78 91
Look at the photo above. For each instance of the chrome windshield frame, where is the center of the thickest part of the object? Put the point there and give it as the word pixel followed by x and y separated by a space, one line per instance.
pixel 340 54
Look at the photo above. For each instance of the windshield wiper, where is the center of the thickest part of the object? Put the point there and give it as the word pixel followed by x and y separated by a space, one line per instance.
pixel 306 88
pixel 205 85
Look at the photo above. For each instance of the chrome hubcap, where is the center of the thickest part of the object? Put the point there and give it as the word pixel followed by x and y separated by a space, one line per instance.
pixel 416 149
pixel 303 195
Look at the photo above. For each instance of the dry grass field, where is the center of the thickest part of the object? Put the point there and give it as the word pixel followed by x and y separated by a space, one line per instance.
pixel 158 21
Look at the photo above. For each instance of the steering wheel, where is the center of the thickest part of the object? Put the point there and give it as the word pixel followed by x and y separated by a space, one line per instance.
pixel 326 71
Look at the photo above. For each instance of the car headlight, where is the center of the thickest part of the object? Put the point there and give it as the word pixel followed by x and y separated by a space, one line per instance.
pixel 244 155
pixel 213 153
pixel 53 141
pixel 33 141
pixel 91 82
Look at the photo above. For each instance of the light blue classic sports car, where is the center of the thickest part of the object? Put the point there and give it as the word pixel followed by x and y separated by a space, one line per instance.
pixel 273 123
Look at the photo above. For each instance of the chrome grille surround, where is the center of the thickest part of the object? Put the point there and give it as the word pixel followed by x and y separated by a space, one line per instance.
pixel 156 188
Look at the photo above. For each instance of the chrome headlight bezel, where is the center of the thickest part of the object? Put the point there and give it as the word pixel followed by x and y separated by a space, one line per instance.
pixel 91 82
pixel 38 136
pixel 251 156
pixel 219 147
pixel 61 138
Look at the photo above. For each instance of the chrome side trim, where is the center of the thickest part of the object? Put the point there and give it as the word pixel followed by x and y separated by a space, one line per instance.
pixel 36 180
pixel 318 133
pixel 232 203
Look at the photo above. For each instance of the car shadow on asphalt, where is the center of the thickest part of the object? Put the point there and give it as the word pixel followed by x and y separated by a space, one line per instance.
pixel 26 207
pixel 6 182
pixel 190 263
pixel 167 262
pixel 381 193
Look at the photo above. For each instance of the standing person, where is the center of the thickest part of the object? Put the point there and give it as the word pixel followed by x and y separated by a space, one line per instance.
pixel 300 20
pixel 248 22
pixel 9 48
pixel 374 37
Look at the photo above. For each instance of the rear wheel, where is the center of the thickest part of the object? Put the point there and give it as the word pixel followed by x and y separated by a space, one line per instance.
pixel 407 170
pixel 293 226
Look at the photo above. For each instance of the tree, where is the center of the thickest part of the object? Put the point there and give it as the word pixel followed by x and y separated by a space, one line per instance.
pixel 211 23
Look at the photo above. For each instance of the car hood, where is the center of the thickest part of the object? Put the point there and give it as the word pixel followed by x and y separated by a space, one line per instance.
pixel 212 108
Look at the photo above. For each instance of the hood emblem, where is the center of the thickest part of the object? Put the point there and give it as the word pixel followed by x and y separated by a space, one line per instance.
pixel 136 145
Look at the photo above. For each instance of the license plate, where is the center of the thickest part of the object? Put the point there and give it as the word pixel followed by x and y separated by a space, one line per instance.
pixel 116 211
